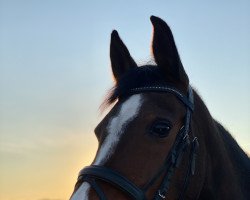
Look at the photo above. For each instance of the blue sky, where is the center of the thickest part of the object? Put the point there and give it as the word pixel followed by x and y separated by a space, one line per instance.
pixel 55 71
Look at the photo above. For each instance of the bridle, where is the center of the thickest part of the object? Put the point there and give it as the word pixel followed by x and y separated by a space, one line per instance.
pixel 95 172
pixel 91 173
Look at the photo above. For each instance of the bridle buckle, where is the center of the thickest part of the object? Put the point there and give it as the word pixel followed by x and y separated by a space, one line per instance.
pixel 161 195
pixel 186 136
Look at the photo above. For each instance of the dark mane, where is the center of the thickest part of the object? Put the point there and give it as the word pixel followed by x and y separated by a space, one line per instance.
pixel 237 155
pixel 147 75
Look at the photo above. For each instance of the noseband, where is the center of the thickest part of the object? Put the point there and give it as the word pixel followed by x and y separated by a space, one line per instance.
pixel 92 173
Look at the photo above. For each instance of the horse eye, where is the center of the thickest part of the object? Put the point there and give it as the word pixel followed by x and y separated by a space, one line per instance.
pixel 160 128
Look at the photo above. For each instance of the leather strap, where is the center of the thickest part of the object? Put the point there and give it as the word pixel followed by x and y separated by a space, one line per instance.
pixel 181 143
pixel 98 190
pixel 158 89
pixel 114 178
pixel 89 174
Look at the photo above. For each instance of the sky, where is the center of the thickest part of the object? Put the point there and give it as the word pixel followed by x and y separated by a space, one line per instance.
pixel 55 72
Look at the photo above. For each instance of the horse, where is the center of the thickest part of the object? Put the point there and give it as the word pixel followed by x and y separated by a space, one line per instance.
pixel 159 140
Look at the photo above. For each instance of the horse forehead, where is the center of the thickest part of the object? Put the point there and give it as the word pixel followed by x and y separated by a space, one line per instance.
pixel 128 110
pixel 122 112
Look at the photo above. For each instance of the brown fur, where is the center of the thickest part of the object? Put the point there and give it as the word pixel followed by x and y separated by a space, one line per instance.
pixel 222 168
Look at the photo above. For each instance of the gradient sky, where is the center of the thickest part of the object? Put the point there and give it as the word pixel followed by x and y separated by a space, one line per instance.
pixel 55 70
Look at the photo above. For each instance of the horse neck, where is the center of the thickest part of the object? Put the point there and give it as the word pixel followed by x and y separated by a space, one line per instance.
pixel 220 176
pixel 239 159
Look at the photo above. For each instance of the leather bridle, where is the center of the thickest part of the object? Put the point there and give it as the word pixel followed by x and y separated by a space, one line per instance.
pixel 92 173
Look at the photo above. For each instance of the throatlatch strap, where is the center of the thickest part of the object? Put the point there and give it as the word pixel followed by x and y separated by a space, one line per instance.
pixel 191 167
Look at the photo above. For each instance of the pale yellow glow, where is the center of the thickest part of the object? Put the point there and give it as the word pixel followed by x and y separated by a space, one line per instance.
pixel 45 173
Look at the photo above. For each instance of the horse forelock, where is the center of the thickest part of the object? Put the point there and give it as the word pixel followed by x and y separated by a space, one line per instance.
pixel 147 75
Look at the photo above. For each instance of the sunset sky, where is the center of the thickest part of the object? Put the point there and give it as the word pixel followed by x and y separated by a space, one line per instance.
pixel 55 71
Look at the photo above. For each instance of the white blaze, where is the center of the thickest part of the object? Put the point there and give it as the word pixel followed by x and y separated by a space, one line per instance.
pixel 117 124
pixel 82 193
pixel 128 111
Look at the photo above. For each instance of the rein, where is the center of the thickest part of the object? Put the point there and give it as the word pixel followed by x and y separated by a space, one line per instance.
pixel 92 173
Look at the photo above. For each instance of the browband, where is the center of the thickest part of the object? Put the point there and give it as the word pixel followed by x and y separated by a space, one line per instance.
pixel 186 100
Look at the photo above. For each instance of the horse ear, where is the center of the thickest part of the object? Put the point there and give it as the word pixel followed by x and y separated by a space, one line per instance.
pixel 165 52
pixel 121 61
